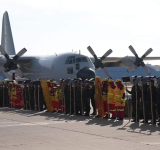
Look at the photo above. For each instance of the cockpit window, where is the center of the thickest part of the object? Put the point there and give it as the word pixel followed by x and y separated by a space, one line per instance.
pixel 84 59
pixel 78 59
pixel 70 60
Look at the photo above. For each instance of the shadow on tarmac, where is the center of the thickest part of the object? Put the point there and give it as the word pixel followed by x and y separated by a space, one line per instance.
pixel 123 125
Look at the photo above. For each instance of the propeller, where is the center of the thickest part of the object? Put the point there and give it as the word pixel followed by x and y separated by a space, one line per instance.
pixel 139 60
pixel 11 62
pixel 98 62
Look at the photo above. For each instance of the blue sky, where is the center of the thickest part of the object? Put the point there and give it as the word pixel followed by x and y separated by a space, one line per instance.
pixel 57 26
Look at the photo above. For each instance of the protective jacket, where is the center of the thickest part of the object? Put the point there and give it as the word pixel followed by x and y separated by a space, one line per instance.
pixel 120 96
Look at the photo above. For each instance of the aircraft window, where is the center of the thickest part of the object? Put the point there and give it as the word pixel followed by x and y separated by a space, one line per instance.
pixel 77 66
pixel 70 60
pixel 84 59
pixel 70 70
pixel 78 59
pixel 66 61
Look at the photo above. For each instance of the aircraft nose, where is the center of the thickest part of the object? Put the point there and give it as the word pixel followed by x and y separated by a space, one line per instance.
pixel 86 73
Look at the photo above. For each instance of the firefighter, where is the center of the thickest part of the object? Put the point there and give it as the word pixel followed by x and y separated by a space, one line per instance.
pixel 86 97
pixel 111 98
pixel 18 96
pixel 120 99
pixel 14 95
pixel 98 97
pixel 158 102
pixel 135 88
pixel 92 98
pixel 60 97
pixel 25 95
pixel 153 90
pixel 104 97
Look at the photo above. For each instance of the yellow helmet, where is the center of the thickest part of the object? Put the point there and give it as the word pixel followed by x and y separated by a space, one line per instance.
pixel 15 83
pixel 54 82
pixel 118 80
pixel 105 79
pixel 110 80
pixel 10 82
pixel 48 81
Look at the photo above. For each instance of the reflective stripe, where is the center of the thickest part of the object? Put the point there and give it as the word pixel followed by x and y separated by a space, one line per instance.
pixel 110 94
pixel 120 110
pixel 113 110
pixel 118 96
pixel 107 113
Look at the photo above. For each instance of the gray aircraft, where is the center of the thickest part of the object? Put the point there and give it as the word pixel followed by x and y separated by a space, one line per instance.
pixel 66 65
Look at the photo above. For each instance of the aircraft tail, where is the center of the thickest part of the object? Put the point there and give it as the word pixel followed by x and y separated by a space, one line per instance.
pixel 7 39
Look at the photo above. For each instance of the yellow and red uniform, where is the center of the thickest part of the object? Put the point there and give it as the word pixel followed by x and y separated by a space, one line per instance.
pixel 14 96
pixel 120 99
pixel 98 96
pixel 111 99
pixel 19 101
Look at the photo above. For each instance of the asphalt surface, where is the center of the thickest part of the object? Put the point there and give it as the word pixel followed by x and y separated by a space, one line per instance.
pixel 31 130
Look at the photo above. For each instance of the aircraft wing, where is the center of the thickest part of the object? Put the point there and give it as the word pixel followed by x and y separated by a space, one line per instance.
pixel 111 61
pixel 25 59
pixel 118 61
pixel 151 58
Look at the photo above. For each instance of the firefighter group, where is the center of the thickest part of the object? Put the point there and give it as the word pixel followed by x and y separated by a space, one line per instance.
pixel 73 96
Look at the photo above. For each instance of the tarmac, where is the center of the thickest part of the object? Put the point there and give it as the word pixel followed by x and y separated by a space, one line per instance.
pixel 31 130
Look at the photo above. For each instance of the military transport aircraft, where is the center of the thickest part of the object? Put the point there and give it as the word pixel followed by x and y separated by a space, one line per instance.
pixel 66 65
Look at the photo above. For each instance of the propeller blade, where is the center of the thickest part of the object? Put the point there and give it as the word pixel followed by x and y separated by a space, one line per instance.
pixel 91 51
pixel 2 68
pixel 4 53
pixel 19 72
pixel 19 54
pixel 133 50
pixel 106 71
pixel 145 68
pixel 106 54
pixel 147 53
pixel 132 67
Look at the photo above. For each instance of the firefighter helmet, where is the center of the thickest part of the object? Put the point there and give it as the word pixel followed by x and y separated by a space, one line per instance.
pixel 110 80
pixel 48 81
pixel 118 80
pixel 54 82
pixel 105 79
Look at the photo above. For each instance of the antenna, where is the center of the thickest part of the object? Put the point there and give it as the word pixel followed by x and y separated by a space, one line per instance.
pixel 55 54
pixel 79 51
pixel 72 50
